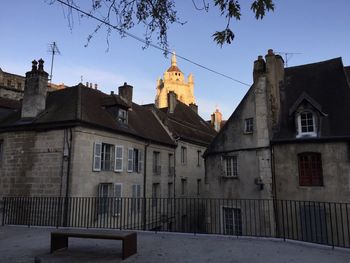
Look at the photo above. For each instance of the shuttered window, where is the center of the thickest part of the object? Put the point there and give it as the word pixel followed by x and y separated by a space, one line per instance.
pixel 310 169
pixel 97 156
pixel 118 166
pixel 130 159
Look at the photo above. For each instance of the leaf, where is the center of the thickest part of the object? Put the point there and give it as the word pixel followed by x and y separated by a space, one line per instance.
pixel 223 37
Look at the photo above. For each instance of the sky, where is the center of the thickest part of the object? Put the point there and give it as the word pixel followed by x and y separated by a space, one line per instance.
pixel 315 30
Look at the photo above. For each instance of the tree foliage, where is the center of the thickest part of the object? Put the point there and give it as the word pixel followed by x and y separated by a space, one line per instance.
pixel 158 15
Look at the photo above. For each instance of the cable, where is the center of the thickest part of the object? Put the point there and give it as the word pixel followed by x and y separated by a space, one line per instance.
pixel 149 43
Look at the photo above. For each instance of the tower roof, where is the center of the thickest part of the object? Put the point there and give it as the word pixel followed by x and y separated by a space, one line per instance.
pixel 173 66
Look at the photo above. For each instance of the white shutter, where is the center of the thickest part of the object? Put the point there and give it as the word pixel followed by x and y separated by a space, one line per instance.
pixel 118 165
pixel 97 156
pixel 140 166
pixel 130 159
pixel 118 199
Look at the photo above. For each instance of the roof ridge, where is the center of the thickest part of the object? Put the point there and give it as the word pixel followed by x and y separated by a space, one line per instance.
pixel 317 63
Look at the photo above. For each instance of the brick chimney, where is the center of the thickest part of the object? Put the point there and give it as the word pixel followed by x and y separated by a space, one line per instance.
pixel 194 107
pixel 34 98
pixel 172 101
pixel 125 92
pixel 259 68
pixel 275 76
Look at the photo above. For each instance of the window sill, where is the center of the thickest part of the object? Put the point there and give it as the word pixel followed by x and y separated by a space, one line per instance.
pixel 230 177
pixel 247 133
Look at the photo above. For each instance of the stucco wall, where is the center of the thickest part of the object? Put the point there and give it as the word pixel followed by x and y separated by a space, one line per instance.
pixel 335 166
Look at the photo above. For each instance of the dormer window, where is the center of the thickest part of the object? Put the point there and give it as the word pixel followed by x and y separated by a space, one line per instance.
pixel 122 116
pixel 306 121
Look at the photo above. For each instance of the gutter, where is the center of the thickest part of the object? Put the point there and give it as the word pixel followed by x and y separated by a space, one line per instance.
pixel 144 184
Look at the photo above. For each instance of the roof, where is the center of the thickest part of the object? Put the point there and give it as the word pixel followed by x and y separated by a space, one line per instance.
pixel 327 89
pixel 80 105
pixel 173 69
pixel 8 107
pixel 186 124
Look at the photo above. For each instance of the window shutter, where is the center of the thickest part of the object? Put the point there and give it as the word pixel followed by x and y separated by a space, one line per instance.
pixel 97 156
pixel 140 166
pixel 118 165
pixel 130 159
pixel 118 190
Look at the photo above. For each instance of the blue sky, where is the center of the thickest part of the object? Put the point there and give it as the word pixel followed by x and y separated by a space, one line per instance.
pixel 318 29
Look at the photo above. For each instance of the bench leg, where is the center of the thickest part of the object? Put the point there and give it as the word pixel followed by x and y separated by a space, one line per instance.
pixel 129 246
pixel 58 242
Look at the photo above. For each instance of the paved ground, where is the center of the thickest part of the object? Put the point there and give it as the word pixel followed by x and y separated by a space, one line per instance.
pixel 22 244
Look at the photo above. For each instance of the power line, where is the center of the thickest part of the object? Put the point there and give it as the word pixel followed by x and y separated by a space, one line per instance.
pixel 147 43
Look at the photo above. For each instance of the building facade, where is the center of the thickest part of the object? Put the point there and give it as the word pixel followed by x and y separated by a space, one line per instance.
pixel 287 140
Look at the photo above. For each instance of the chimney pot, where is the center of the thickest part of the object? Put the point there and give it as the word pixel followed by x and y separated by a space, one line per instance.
pixel 41 65
pixel 87 84
pixel 95 85
pixel 112 92
pixel 270 52
pixel 34 65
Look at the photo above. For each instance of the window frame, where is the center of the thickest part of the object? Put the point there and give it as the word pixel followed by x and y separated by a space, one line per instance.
pixel 107 149
pixel 311 172
pixel 122 116
pixel 118 199
pixel 248 125
pixel 156 163
pixel 136 198
pixel 231 166
pixel 300 132
pixel 183 155
pixel 232 223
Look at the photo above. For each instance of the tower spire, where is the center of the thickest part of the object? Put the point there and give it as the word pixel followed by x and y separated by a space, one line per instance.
pixel 173 59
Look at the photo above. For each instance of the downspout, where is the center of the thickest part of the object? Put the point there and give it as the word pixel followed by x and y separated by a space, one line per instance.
pixel 144 185
pixel 69 144
pixel 274 191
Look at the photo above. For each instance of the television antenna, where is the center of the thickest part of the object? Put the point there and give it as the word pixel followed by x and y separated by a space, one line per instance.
pixel 53 49
pixel 287 56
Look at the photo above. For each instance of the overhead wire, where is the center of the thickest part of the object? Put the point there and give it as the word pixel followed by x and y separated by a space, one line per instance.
pixel 148 43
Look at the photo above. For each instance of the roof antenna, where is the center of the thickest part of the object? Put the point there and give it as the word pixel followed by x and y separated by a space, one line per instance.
pixel 287 56
pixel 53 49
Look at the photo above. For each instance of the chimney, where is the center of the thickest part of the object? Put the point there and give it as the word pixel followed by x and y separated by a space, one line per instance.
pixel 87 84
pixel 259 68
pixel 95 85
pixel 172 101
pixel 112 92
pixel 125 92
pixel 34 98
pixel 275 76
pixel 194 107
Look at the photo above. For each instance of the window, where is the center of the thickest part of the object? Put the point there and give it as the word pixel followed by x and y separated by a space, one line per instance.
pixel 156 163
pixel 248 125
pixel 232 221
pixel 135 160
pixel 199 157
pixel 122 116
pixel 136 201
pixel 118 165
pixel 106 157
pixel 9 83
pixel 183 155
pixel 231 166
pixel 103 193
pixel 306 124
pixel 170 190
pixel 155 193
pixel 183 186
pixel 118 199
pixel 199 186
pixel 310 169
pixel 171 169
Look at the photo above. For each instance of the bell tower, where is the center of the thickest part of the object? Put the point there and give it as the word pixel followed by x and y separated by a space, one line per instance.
pixel 175 81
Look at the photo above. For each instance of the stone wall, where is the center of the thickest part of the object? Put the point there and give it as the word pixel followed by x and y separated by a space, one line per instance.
pixel 31 163
pixel 335 168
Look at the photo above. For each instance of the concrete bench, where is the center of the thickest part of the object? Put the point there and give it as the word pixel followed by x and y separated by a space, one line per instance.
pixel 59 239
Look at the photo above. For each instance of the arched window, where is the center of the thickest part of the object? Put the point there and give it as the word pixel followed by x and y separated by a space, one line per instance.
pixel 310 169
pixel 306 122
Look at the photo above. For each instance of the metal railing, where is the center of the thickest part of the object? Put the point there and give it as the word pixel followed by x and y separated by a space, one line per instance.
pixel 316 222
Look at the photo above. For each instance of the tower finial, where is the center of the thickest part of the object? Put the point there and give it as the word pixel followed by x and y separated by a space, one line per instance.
pixel 173 59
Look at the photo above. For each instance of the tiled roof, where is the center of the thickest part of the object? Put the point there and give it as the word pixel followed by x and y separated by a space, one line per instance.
pixel 326 85
pixel 187 124
pixel 84 106
pixel 8 107
pixel 174 69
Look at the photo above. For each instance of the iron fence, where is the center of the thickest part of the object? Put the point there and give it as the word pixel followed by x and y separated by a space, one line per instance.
pixel 316 222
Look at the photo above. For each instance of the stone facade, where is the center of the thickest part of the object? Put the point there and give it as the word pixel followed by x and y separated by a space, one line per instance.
pixel 32 163
pixel 174 80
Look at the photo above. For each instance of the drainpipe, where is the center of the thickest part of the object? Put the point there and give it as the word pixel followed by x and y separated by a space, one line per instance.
pixel 274 191
pixel 144 184
pixel 69 144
